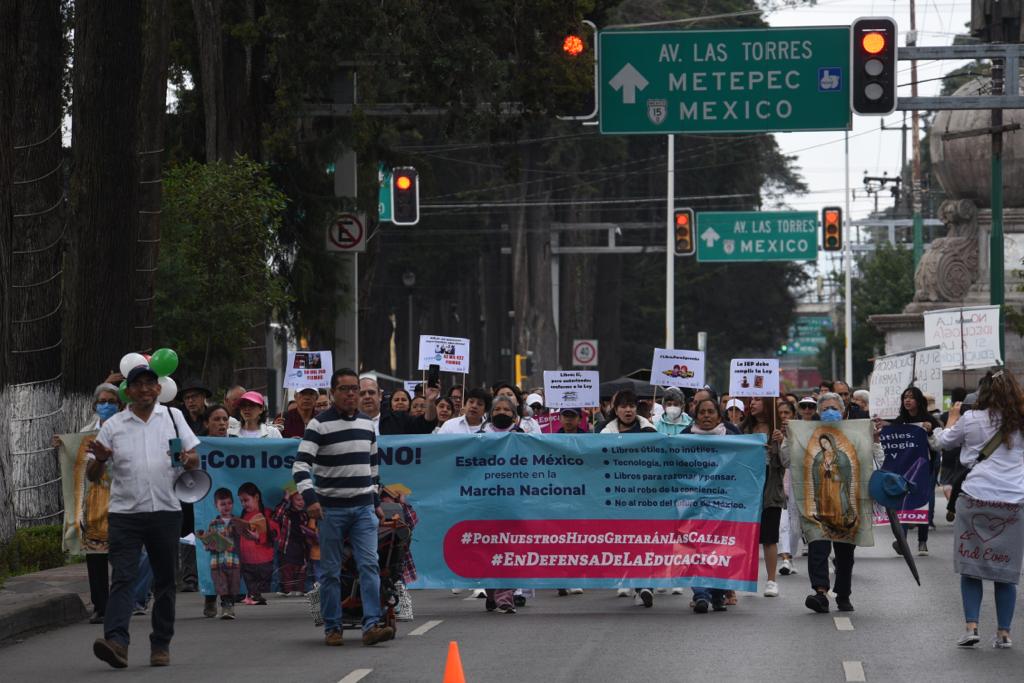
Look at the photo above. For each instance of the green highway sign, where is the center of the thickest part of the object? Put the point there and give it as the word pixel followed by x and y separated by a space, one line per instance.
pixel 728 81
pixel 384 199
pixel 757 236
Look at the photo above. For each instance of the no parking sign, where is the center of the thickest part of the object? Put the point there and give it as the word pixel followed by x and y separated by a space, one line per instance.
pixel 347 233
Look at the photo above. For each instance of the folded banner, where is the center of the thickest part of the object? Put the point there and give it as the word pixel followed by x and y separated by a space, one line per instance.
pixel 538 510
pixel 830 464
pixel 548 511
pixel 85 502
pixel 907 454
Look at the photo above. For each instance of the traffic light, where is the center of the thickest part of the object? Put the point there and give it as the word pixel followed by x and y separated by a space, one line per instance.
pixel 524 367
pixel 572 85
pixel 685 245
pixel 405 196
pixel 832 228
pixel 873 62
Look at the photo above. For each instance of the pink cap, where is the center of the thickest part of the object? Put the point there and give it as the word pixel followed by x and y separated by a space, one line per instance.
pixel 252 397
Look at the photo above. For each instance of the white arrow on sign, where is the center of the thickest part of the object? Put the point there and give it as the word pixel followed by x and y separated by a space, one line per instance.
pixel 710 236
pixel 628 80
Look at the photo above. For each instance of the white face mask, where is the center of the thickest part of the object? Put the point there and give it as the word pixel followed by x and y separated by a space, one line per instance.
pixel 673 412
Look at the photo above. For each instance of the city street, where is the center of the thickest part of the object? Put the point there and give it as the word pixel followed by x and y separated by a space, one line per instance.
pixel 899 632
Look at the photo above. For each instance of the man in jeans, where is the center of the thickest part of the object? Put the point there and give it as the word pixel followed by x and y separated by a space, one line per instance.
pixel 336 471
pixel 137 443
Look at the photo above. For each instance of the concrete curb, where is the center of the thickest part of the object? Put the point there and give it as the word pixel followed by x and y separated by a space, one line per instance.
pixel 39 611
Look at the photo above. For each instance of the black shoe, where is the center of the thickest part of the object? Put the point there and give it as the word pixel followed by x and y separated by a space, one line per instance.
pixel 519 600
pixel 922 549
pixel 843 603
pixel 562 592
pixel 719 605
pixel 700 606
pixel 647 597
pixel 491 605
pixel 817 602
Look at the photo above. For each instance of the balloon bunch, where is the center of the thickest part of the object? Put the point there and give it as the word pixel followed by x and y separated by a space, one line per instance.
pixel 163 362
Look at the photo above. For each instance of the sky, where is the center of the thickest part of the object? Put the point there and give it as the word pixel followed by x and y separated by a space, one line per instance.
pixel 820 155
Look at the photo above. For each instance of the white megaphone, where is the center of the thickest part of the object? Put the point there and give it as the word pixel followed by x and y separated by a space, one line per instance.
pixel 192 486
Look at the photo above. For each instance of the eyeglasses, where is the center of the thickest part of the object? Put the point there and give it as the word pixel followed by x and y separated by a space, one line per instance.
pixel 347 388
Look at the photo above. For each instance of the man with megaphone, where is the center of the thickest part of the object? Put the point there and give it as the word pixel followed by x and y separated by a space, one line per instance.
pixel 144 446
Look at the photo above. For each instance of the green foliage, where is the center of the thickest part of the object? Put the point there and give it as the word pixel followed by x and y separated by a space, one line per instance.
pixel 32 550
pixel 884 283
pixel 218 259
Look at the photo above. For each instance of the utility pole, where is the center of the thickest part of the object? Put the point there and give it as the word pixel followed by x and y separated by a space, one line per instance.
pixel 997 285
pixel 916 186
pixel 670 250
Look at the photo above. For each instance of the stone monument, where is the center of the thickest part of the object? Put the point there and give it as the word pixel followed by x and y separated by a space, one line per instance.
pixel 954 270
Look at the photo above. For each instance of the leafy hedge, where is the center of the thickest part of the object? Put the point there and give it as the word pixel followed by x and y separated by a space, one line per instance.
pixel 32 550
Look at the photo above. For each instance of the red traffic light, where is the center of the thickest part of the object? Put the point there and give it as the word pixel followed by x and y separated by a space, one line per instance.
pixel 873 42
pixel 403 182
pixel 832 217
pixel 573 45
pixel 682 219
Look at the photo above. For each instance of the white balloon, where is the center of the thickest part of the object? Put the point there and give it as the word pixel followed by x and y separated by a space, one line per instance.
pixel 131 360
pixel 168 389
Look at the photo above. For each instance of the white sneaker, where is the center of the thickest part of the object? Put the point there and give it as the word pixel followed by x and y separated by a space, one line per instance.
pixel 677 591
pixel 479 593
pixel 786 567
pixel 623 592
pixel 456 591
pixel 575 591
pixel 771 589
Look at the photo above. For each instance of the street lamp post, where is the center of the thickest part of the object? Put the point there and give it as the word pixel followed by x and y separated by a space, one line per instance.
pixel 409 280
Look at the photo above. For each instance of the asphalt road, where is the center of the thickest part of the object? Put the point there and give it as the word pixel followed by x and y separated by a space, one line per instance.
pixel 899 633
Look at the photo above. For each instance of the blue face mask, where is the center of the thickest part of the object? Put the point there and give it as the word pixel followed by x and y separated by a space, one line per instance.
pixel 106 410
pixel 831 415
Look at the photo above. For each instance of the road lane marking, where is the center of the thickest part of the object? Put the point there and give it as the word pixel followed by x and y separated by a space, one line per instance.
pixel 854 672
pixel 843 623
pixel 425 627
pixel 360 674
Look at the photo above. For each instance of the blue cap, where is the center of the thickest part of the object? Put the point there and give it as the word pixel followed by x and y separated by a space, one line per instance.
pixel 139 371
pixel 888 489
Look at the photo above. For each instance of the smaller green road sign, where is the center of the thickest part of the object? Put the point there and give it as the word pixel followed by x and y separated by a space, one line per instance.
pixel 757 236
pixel 727 81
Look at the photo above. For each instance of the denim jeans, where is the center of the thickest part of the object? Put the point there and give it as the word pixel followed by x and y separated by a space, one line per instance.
pixel 359 525
pixel 709 594
pixel 1006 600
pixel 158 532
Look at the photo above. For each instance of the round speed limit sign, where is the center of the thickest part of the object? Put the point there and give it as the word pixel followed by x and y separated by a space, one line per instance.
pixel 584 352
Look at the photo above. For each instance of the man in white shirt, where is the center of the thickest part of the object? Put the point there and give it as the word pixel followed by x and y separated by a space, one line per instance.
pixel 136 444
pixel 476 405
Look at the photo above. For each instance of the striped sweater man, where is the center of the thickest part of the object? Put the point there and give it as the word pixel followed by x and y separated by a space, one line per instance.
pixel 337 463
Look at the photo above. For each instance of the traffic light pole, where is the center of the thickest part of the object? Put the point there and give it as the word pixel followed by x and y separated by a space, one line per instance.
pixel 848 271
pixel 670 252
pixel 916 179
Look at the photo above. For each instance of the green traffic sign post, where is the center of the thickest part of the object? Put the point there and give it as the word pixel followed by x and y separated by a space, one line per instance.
pixel 384 199
pixel 757 236
pixel 728 81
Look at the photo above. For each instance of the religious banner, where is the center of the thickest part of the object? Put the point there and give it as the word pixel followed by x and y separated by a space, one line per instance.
pixel 85 502
pixel 907 454
pixel 830 465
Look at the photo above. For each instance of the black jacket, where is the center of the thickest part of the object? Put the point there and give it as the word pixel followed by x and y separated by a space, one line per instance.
pixel 404 423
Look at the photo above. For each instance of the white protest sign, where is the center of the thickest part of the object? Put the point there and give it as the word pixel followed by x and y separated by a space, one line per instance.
pixel 410 385
pixel 571 389
pixel 451 354
pixel 969 337
pixel 894 373
pixel 891 375
pixel 678 368
pixel 754 377
pixel 309 370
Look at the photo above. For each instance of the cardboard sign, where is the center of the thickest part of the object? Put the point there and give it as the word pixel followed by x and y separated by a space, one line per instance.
pixel 309 370
pixel 678 368
pixel 892 374
pixel 754 377
pixel 450 353
pixel 571 388
pixel 969 337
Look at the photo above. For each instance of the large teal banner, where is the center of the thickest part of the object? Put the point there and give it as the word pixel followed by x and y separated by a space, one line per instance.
pixel 553 510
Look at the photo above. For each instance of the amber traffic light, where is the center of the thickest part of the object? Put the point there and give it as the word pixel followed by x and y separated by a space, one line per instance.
pixel 873 63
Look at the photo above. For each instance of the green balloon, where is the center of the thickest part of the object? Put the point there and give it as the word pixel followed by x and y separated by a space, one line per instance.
pixel 121 391
pixel 163 362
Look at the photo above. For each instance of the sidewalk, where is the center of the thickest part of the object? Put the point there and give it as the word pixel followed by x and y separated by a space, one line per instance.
pixel 43 600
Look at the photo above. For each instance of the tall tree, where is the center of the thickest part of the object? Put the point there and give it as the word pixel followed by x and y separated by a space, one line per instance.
pixel 31 225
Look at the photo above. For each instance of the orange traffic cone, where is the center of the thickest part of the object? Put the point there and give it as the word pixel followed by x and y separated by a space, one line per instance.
pixel 453 667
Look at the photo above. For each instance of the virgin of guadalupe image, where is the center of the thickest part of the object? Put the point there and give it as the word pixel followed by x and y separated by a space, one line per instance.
pixel 833 476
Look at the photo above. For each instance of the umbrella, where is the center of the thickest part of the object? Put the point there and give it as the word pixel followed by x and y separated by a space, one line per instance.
pixel 639 387
pixel 901 543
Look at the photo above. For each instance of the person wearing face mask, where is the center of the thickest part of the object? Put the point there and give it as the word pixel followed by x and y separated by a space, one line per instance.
pixel 523 421
pixel 831 409
pixel 673 420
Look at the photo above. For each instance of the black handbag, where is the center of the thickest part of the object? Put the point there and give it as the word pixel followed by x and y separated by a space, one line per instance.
pixel 988 449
